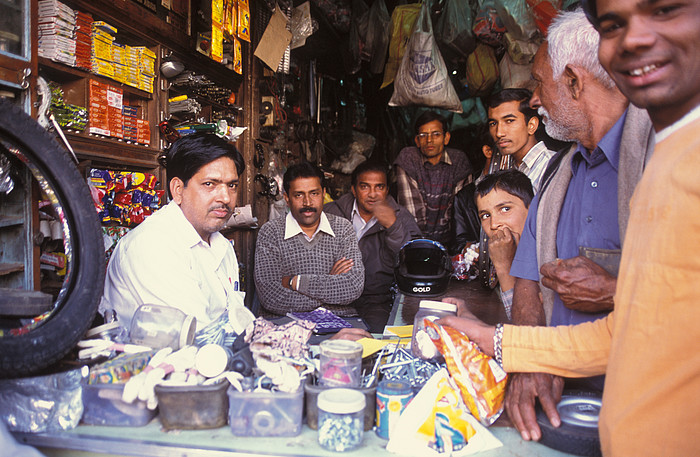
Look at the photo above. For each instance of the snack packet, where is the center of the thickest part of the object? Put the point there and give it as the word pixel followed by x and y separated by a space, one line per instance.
pixel 481 380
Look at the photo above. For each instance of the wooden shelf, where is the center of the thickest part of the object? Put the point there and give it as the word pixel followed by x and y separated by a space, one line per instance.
pixel 9 221
pixel 109 151
pixel 60 71
pixel 10 267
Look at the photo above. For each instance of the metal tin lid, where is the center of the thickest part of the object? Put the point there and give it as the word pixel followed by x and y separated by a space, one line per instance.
pixel 437 305
pixel 580 410
pixel 389 387
pixel 341 401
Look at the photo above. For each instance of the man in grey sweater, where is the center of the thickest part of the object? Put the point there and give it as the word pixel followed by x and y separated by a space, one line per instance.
pixel 309 258
pixel 382 226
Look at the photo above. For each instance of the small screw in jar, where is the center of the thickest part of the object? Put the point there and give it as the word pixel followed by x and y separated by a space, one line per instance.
pixel 341 420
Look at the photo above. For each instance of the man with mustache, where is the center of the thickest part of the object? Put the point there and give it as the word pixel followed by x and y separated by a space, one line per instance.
pixel 177 257
pixel 309 258
pixel 382 226
pixel 584 203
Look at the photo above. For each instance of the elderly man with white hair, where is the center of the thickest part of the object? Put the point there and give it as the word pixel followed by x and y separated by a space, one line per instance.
pixel 583 202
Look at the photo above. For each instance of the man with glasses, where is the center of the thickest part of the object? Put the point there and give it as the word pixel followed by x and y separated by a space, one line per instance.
pixel 429 175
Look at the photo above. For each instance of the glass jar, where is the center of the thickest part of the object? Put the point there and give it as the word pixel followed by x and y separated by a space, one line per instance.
pixel 161 326
pixel 421 344
pixel 341 363
pixel 341 419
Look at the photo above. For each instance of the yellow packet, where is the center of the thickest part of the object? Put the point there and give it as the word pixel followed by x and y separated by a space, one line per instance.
pixel 481 380
pixel 243 20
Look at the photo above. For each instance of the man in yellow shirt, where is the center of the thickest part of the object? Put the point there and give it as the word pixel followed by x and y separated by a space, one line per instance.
pixel 646 346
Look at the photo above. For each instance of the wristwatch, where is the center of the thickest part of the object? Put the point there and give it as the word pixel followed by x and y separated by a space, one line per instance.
pixel 291 282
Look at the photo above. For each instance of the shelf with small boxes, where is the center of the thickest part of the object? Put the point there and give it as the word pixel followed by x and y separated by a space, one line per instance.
pixel 102 86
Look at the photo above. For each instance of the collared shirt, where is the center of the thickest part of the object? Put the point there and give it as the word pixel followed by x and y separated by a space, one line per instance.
pixel 164 261
pixel 535 163
pixel 359 224
pixel 588 217
pixel 427 191
pixel 292 227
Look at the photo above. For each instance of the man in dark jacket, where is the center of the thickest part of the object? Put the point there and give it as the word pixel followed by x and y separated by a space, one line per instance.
pixel 382 227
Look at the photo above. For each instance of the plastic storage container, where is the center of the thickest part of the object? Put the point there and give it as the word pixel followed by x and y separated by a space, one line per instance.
pixel 311 392
pixel 421 344
pixel 341 420
pixel 341 363
pixel 103 405
pixel 162 326
pixel 193 407
pixel 265 413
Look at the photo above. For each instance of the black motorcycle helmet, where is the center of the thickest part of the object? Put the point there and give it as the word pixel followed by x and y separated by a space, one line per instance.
pixel 423 268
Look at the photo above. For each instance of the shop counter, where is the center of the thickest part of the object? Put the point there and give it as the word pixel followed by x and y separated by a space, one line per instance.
pixel 152 440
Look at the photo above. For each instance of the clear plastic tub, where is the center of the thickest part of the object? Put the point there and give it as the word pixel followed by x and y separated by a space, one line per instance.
pixel 311 392
pixel 103 405
pixel 341 363
pixel 160 326
pixel 265 413
pixel 341 421
pixel 193 407
pixel 421 344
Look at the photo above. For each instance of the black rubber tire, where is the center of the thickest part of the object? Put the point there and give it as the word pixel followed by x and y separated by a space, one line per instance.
pixel 487 272
pixel 569 438
pixel 76 306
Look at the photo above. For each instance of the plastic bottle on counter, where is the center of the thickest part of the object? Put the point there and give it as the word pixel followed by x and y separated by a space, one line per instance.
pixel 160 326
pixel 421 344
pixel 341 419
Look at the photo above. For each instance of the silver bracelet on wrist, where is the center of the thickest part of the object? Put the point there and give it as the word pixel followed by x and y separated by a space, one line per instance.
pixel 498 344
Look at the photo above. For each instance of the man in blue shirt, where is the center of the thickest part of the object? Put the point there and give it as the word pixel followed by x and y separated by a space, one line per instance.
pixel 583 203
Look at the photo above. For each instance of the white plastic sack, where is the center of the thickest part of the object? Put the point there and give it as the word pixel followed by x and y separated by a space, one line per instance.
pixel 422 78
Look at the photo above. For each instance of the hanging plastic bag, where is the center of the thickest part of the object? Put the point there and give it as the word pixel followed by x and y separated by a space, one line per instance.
pixel 454 28
pixel 488 26
pixel 422 78
pixel 517 18
pixel 543 11
pixel 513 74
pixel 356 38
pixel 522 52
pixel 402 21
pixel 378 34
pixel 482 70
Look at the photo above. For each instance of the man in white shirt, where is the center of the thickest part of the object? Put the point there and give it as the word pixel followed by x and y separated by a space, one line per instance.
pixel 512 125
pixel 177 257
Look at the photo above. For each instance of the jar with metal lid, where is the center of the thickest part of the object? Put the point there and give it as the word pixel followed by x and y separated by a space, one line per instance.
pixel 421 344
pixel 340 363
pixel 341 420
pixel 161 326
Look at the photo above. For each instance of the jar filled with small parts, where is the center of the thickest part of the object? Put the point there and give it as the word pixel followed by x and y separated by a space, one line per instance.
pixel 421 344
pixel 341 420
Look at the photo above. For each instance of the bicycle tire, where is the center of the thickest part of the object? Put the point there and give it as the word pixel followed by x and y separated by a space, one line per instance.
pixel 76 306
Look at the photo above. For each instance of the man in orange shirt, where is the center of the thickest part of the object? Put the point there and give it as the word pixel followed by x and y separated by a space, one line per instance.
pixel 651 48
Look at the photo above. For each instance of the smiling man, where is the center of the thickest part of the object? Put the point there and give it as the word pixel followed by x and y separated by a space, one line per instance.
pixel 382 226
pixel 429 175
pixel 309 258
pixel 651 48
pixel 512 124
pixel 177 257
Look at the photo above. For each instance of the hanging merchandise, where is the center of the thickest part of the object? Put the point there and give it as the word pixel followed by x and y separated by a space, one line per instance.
pixel 488 26
pixel 422 78
pixel 482 70
pixel 454 28
pixel 517 18
pixel 543 11
pixel 522 52
pixel 378 34
pixel 356 38
pixel 513 74
pixel 402 21
pixel 243 20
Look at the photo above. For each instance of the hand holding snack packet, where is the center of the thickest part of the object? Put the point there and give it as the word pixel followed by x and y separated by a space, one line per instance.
pixel 481 380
